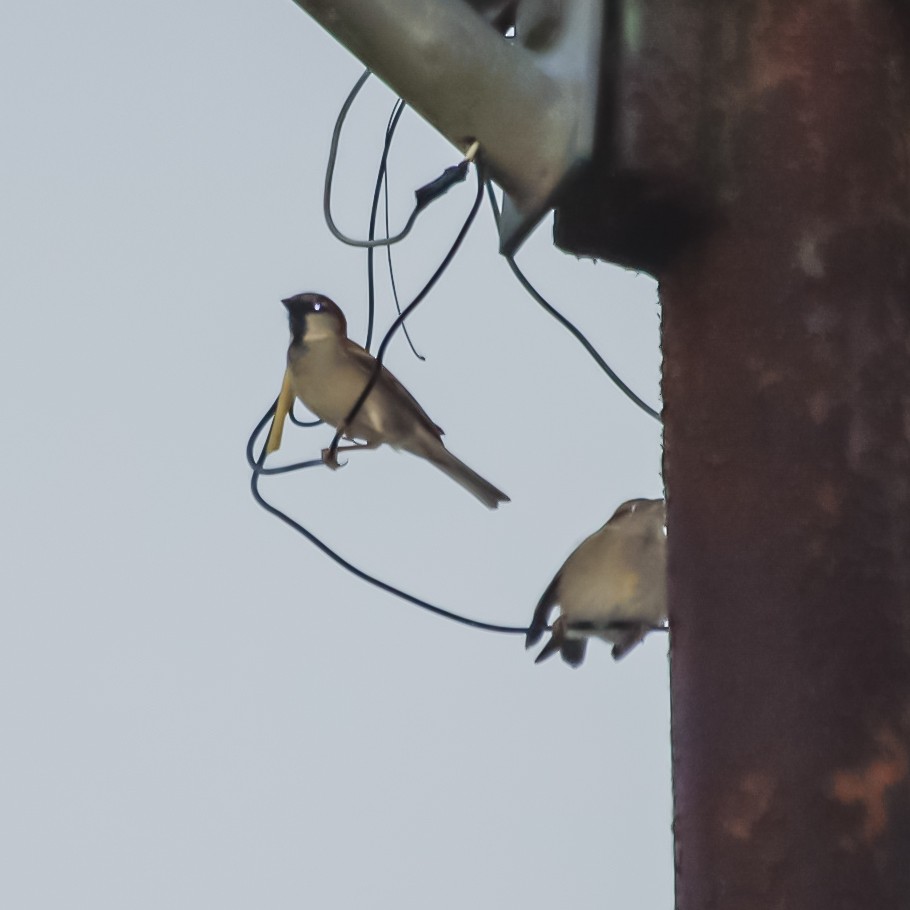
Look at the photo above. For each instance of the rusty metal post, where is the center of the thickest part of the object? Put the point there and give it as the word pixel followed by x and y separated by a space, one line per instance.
pixel 786 341
pixel 756 158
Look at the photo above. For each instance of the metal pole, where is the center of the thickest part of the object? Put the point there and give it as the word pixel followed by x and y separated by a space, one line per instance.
pixel 786 340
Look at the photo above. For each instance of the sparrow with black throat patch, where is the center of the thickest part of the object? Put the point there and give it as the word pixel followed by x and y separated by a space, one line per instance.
pixel 328 372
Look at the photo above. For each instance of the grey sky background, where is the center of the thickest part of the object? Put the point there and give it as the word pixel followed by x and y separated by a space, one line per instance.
pixel 199 709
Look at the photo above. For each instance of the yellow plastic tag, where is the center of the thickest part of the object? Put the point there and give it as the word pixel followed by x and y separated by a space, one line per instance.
pixel 282 409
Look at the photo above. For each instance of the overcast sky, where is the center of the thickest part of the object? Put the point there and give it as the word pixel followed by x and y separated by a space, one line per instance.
pixel 198 708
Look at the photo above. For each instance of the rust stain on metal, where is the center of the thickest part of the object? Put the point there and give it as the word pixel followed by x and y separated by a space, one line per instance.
pixel 819 406
pixel 828 498
pixel 774 61
pixel 869 786
pixel 809 255
pixel 748 804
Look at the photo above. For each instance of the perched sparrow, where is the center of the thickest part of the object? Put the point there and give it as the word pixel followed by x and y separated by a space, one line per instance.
pixel 612 587
pixel 328 372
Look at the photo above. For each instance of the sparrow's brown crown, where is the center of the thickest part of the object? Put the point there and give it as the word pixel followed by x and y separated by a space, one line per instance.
pixel 300 306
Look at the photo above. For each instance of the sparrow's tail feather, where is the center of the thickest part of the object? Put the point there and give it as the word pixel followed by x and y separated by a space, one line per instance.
pixel 440 456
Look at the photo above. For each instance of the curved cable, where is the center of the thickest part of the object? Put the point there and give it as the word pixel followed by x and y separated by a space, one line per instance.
pixel 330 173
pixel 382 186
pixel 569 326
pixel 381 179
pixel 304 423
pixel 256 463
pixel 377 369
pixel 388 253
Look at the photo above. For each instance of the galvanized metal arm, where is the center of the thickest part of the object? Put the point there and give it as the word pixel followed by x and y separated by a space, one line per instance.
pixel 531 108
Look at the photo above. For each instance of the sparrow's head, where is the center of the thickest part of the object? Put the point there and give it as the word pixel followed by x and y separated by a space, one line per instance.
pixel 640 506
pixel 645 515
pixel 312 316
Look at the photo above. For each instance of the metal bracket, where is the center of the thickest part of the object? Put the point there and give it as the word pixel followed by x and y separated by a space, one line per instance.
pixel 530 99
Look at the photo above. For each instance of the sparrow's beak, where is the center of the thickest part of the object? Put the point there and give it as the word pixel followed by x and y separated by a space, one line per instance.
pixel 287 302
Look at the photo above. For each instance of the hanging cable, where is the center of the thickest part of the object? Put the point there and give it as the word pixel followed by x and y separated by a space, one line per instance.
pixel 567 324
pixel 258 470
pixel 424 196
pixel 303 423
pixel 381 182
pixel 388 252
pixel 382 185
pixel 332 454
pixel 256 464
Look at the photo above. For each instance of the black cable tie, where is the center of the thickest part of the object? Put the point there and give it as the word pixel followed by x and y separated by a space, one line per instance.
pixel 442 184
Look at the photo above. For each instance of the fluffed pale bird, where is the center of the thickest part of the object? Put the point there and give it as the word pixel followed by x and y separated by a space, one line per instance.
pixel 612 587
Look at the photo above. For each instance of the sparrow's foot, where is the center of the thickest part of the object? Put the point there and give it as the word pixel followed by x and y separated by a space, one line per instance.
pixel 628 639
pixel 330 459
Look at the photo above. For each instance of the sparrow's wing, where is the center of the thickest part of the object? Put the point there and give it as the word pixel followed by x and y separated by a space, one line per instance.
pixel 542 613
pixel 367 362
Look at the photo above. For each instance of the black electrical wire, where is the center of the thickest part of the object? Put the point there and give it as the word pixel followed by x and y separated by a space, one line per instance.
pixel 382 186
pixel 388 252
pixel 256 464
pixel 397 111
pixel 381 183
pixel 424 195
pixel 377 369
pixel 330 173
pixel 303 423
pixel 569 326
pixel 258 470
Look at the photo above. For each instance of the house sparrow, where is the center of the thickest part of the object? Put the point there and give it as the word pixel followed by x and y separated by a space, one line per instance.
pixel 328 372
pixel 613 586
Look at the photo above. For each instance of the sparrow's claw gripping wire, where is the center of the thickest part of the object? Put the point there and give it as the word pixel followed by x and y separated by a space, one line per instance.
pixel 330 460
